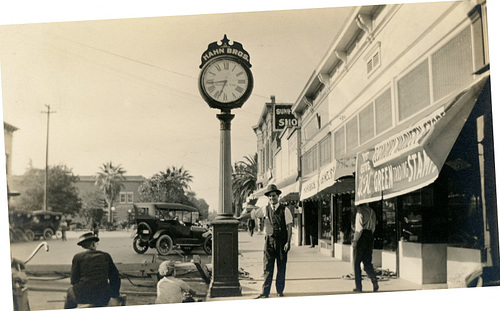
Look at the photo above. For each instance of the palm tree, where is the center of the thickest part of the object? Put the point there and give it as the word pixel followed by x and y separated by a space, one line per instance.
pixel 244 181
pixel 109 180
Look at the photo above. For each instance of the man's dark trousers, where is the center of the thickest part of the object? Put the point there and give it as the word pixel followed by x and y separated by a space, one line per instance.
pixel 274 252
pixel 363 254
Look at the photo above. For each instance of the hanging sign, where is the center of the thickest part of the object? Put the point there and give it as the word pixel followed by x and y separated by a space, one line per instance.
pixel 283 117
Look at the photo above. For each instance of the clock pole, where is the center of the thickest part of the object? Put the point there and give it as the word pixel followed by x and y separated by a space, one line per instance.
pixel 225 277
pixel 225 83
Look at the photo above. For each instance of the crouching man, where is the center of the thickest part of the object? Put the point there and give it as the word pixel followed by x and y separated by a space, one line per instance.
pixel 170 289
pixel 94 276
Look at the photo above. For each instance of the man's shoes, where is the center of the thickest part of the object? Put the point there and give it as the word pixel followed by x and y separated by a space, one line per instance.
pixel 357 290
pixel 312 246
pixel 261 296
pixel 375 287
pixel 280 295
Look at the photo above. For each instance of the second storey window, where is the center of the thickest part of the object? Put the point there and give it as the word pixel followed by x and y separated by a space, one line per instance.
pixel 310 160
pixel 351 130
pixel 325 150
pixel 413 91
pixel 366 126
pixel 126 197
pixel 339 142
pixel 383 112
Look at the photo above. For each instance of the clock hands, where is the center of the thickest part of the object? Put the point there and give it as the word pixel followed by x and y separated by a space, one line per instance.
pixel 222 89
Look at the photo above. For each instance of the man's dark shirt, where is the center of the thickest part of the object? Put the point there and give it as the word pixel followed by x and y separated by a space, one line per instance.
pixel 94 277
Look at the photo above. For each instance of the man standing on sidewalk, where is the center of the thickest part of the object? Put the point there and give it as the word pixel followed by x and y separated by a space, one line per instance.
pixel 362 244
pixel 278 230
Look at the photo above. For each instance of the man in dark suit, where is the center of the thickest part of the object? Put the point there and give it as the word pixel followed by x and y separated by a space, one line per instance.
pixel 278 230
pixel 94 277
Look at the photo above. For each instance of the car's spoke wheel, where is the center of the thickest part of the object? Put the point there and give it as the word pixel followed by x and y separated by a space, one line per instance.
pixel 164 245
pixel 48 233
pixel 207 245
pixel 187 249
pixel 139 246
pixel 30 235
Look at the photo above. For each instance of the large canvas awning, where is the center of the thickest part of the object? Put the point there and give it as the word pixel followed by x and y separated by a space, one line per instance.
pixel 413 158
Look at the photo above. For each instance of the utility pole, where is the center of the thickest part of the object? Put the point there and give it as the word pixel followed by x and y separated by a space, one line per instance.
pixel 45 197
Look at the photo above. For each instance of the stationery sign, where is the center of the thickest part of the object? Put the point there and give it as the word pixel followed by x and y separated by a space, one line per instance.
pixel 283 117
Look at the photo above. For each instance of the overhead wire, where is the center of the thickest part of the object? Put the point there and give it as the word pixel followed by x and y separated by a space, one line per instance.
pixel 149 65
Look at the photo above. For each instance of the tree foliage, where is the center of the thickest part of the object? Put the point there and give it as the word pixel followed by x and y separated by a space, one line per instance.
pixel 109 181
pixel 244 180
pixel 62 194
pixel 167 186
pixel 92 206
pixel 200 204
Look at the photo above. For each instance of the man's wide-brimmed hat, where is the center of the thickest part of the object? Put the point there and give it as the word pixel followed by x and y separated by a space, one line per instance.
pixel 272 188
pixel 89 236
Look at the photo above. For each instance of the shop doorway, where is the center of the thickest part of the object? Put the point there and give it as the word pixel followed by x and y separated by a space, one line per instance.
pixel 311 223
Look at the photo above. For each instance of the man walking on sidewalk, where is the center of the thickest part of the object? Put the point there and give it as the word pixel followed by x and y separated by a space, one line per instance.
pixel 362 244
pixel 278 230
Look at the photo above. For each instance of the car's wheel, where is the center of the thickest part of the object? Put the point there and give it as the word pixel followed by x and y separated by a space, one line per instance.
pixel 187 249
pixel 139 246
pixel 207 245
pixel 19 235
pixel 48 233
pixel 164 245
pixel 144 231
pixel 30 235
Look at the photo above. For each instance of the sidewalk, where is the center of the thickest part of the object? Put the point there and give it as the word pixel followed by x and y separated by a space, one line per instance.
pixel 309 273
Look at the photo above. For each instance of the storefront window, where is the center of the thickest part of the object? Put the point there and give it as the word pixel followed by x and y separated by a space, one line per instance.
pixel 326 224
pixel 345 216
pixel 411 217
pixel 388 225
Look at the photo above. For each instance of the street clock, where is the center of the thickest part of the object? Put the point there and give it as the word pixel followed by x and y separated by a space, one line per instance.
pixel 225 80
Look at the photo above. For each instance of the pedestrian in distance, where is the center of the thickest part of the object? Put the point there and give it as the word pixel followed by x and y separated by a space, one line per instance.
pixel 64 228
pixel 278 233
pixel 94 278
pixel 170 289
pixel 95 228
pixel 362 244
pixel 251 226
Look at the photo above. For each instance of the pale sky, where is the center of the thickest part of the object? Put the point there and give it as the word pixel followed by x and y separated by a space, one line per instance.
pixel 125 90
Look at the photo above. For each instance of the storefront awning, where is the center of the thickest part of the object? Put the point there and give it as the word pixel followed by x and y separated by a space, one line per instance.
pixel 413 158
pixel 290 192
pixel 339 168
pixel 309 187
pixel 342 185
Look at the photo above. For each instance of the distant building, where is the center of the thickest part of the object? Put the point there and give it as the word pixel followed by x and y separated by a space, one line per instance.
pixel 127 197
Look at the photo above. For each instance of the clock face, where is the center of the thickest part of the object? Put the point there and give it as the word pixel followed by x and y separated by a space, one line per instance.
pixel 225 80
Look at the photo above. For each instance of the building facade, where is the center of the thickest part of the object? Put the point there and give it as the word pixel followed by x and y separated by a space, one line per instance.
pixel 129 194
pixel 397 115
pixel 278 158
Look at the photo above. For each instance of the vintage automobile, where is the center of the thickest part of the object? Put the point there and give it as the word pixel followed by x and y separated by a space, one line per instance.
pixel 167 225
pixel 34 224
